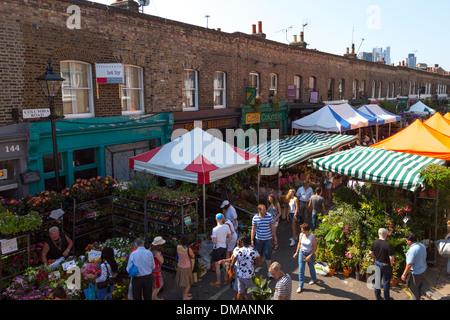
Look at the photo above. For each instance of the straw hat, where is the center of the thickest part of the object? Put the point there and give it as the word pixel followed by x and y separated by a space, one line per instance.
pixel 158 241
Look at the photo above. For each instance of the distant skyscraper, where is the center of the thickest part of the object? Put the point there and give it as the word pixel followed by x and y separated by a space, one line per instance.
pixel 367 56
pixel 411 60
pixel 378 54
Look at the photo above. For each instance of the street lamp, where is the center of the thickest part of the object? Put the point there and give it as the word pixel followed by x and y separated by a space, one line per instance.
pixel 51 85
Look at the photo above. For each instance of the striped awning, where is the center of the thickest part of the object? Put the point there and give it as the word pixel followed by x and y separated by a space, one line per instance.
pixel 396 169
pixel 333 140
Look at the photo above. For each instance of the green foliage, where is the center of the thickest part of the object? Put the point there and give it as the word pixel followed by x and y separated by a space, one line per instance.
pixel 345 195
pixel 260 290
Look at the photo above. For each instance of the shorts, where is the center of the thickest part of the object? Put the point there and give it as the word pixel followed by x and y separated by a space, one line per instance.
pixel 264 246
pixel 218 254
pixel 243 284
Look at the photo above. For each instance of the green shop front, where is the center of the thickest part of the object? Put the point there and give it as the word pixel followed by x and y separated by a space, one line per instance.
pixel 272 119
pixel 93 147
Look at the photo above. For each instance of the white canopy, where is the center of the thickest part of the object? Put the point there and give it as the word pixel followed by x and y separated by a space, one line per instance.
pixel 323 120
pixel 356 118
pixel 421 108
pixel 383 116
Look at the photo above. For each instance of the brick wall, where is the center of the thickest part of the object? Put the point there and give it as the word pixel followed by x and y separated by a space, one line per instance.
pixel 33 31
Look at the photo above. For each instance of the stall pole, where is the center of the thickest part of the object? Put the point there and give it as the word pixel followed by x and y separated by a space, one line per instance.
pixel 204 210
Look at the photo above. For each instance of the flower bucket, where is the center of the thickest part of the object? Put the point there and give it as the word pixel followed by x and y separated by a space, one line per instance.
pixel 431 193
pixel 394 282
pixel 331 272
pixel 346 273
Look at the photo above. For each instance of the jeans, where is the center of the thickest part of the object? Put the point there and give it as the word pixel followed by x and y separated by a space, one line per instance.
pixel 315 221
pixel 386 275
pixel 302 266
pixel 264 246
pixel 103 294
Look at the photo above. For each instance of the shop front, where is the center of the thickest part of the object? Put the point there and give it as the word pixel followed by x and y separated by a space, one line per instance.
pixel 218 119
pixel 13 161
pixel 267 122
pixel 93 147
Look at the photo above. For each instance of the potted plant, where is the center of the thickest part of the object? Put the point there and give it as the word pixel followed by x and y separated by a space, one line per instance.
pixel 261 290
pixel 436 176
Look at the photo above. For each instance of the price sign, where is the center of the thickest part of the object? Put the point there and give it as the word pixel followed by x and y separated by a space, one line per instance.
pixel 66 265
pixel 94 255
pixel 9 246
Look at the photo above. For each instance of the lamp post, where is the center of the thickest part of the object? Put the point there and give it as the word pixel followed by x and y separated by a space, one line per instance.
pixel 50 84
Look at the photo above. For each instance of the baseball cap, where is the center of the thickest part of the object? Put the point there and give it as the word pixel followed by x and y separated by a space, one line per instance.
pixel 225 203
pixel 219 216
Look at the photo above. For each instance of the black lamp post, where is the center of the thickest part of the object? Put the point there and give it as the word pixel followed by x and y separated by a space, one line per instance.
pixel 51 85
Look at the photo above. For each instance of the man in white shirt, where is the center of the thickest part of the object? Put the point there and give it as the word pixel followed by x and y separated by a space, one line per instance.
pixel 221 236
pixel 230 213
pixel 304 194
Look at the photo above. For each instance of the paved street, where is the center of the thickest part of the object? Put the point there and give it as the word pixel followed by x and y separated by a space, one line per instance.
pixel 337 287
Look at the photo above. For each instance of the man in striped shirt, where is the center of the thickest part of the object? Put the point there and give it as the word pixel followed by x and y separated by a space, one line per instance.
pixel 263 231
pixel 283 288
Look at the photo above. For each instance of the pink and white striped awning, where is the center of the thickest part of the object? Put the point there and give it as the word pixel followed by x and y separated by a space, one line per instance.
pixel 196 157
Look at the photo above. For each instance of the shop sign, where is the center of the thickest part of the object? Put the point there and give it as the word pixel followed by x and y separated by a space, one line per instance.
pixel 210 124
pixel 250 96
pixel 30 177
pixel 109 73
pixel 9 246
pixel 263 117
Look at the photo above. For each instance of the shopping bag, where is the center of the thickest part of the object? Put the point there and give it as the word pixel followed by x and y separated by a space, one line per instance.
pixel 321 268
pixel 133 271
pixel 443 247
pixel 89 293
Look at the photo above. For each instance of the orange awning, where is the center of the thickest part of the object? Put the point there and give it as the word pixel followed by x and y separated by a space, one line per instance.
pixel 438 122
pixel 447 116
pixel 419 139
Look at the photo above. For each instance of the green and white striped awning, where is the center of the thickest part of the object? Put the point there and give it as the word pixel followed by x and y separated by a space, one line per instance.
pixel 333 140
pixel 285 153
pixel 381 166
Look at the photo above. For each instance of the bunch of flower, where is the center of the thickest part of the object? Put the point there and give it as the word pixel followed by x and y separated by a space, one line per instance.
pixel 436 176
pixel 45 201
pixel 12 223
pixel 92 268
pixel 89 189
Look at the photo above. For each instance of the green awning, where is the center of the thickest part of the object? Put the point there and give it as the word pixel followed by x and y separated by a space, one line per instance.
pixel 380 166
pixel 285 153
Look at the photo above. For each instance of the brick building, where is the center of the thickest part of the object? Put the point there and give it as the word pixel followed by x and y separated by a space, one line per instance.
pixel 174 71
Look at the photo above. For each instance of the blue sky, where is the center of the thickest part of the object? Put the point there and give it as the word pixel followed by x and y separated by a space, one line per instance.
pixel 407 26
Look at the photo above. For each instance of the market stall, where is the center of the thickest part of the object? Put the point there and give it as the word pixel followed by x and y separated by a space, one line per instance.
pixel 438 122
pixel 380 166
pixel 323 120
pixel 383 117
pixel 420 139
pixel 356 118
pixel 421 108
pixel 196 157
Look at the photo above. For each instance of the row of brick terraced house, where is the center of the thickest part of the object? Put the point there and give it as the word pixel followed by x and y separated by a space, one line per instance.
pixel 174 74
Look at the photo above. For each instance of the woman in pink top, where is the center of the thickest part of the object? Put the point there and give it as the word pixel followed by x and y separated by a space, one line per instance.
pixel 184 277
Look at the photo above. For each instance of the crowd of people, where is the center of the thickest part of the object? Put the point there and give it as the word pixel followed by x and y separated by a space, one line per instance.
pixel 237 258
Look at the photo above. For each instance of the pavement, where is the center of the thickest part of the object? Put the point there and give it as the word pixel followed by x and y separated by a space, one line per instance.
pixel 337 287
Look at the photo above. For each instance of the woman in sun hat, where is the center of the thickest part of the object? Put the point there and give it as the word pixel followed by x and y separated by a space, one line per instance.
pixel 159 260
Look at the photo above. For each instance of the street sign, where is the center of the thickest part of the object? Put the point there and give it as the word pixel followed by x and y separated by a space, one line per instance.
pixel 35 113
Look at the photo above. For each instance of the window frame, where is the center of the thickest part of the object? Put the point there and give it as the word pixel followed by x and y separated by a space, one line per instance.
pixel 140 90
pixel 90 90
pixel 194 90
pixel 273 86
pixel 223 90
pixel 253 74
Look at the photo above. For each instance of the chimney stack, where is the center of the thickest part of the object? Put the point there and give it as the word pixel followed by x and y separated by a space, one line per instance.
pixel 260 34
pixel 301 43
pixel 351 55
pixel 126 5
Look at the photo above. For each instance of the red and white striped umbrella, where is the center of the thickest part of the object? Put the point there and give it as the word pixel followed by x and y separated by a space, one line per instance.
pixel 197 157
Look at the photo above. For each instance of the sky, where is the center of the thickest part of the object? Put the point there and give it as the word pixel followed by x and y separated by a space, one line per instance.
pixel 407 26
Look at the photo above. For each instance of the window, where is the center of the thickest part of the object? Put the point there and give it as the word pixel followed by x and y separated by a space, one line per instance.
pixel 387 90
pixel 312 83
pixel 379 89
pixel 77 89
pixel 190 90
pixel 273 89
pixel 298 83
pixel 393 89
pixel 355 89
pixel 49 163
pixel 220 81
pixel 362 90
pixel 83 157
pixel 132 90
pixel 341 89
pixel 330 89
pixel 374 89
pixel 254 82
